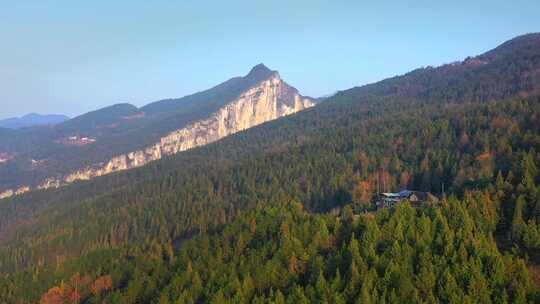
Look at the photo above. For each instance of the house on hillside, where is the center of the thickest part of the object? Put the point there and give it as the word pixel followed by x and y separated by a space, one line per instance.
pixel 416 198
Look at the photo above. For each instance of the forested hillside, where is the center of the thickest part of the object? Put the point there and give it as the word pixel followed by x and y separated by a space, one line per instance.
pixel 510 69
pixel 283 213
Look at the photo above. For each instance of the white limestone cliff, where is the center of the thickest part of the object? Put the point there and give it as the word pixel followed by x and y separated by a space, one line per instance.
pixel 269 100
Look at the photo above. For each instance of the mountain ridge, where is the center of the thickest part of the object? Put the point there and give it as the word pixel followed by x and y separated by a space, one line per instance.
pixel 264 96
pixel 235 85
pixel 32 120
pixel 430 83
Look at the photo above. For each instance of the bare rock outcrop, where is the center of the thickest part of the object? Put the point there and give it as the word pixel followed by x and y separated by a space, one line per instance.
pixel 269 100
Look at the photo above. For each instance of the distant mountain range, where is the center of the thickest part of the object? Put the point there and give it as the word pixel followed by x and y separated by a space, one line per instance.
pixel 32 120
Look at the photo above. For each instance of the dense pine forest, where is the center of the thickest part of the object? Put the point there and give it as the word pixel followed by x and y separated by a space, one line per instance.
pixel 284 212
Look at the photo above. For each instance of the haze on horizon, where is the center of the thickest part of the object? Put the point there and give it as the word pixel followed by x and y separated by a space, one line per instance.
pixel 69 58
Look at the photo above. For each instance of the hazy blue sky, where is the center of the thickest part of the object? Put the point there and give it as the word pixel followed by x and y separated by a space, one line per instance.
pixel 70 57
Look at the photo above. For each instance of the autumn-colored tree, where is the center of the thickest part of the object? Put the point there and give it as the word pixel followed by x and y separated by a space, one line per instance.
pixel 293 264
pixel 102 284
pixel 75 297
pixel 54 295
pixel 362 193
pixel 404 179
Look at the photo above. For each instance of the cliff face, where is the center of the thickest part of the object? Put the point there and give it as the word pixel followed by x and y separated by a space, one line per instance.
pixel 270 99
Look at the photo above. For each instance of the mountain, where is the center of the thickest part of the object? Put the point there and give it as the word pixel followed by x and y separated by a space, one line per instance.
pixel 510 69
pixel 31 120
pixel 102 117
pixel 122 136
pixel 285 211
pixel 215 97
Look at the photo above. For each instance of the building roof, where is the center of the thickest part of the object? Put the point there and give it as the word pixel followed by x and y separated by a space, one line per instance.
pixel 390 194
pixel 404 194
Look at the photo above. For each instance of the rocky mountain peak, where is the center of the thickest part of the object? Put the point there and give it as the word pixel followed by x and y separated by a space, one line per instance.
pixel 260 72
pixel 239 104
